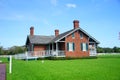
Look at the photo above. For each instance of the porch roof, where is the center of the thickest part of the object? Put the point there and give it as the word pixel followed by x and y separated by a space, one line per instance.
pixel 38 39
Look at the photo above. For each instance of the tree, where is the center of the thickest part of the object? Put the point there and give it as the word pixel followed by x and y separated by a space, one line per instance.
pixel 16 50
pixel 108 50
pixel 100 50
pixel 1 51
pixel 116 49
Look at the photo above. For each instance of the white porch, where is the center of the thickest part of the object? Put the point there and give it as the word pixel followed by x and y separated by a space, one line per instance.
pixel 92 49
pixel 45 53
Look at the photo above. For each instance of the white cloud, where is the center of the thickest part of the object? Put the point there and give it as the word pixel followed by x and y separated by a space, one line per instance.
pixel 69 5
pixel 54 2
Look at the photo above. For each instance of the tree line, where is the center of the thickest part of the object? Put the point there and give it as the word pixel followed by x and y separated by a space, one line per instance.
pixel 108 50
pixel 21 49
pixel 12 50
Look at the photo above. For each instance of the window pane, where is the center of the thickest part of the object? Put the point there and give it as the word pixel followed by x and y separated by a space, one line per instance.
pixel 84 47
pixel 70 47
pixel 73 35
pixel 81 35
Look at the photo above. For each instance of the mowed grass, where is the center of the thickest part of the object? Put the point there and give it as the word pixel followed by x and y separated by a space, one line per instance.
pixel 102 68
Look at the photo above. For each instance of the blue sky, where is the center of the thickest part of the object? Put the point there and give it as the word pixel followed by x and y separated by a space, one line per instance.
pixel 100 18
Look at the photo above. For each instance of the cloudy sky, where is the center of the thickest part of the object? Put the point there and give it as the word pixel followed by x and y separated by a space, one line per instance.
pixel 100 18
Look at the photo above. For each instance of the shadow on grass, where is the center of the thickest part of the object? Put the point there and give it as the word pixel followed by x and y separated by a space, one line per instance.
pixel 66 58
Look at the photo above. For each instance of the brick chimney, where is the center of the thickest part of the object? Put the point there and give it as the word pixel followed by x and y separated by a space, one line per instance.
pixel 76 24
pixel 56 32
pixel 31 31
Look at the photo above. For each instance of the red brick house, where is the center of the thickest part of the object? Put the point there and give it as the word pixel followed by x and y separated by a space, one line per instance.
pixel 72 43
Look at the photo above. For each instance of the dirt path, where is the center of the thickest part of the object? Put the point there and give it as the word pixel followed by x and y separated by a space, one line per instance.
pixel 2 72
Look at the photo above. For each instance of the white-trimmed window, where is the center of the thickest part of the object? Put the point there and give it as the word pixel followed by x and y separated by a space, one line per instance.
pixel 81 35
pixel 73 35
pixel 70 46
pixel 84 46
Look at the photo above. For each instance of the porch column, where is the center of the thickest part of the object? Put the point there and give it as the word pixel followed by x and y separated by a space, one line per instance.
pixel 56 48
pixel 95 48
pixel 49 49
pixel 32 47
pixel 52 47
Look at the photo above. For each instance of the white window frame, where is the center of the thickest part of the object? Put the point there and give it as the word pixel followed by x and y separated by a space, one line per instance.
pixel 73 35
pixel 84 47
pixel 81 35
pixel 70 46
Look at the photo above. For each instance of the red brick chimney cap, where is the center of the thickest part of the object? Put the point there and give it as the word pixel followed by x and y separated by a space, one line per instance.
pixel 32 27
pixel 76 21
pixel 57 30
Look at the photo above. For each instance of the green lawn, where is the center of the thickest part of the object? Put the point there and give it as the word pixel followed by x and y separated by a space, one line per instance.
pixel 102 68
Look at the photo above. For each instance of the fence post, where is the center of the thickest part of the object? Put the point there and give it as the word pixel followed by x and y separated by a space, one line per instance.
pixel 10 64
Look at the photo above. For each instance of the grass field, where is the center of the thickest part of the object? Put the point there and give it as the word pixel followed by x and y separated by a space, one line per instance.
pixel 102 68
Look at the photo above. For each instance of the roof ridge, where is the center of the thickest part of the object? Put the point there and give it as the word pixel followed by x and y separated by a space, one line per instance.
pixel 65 32
pixel 61 35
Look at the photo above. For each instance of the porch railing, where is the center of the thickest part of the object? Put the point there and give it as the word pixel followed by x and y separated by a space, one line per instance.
pixel 93 51
pixel 45 53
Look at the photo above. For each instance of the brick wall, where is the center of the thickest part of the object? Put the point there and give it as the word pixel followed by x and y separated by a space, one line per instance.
pixel 39 47
pixel 77 41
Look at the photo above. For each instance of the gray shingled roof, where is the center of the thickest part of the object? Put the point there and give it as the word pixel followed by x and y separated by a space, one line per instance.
pixel 37 39
pixel 61 36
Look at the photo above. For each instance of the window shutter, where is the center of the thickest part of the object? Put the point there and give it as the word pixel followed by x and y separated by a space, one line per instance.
pixel 73 46
pixel 81 47
pixel 67 46
pixel 86 46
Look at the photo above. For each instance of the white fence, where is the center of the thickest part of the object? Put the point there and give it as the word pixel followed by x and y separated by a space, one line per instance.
pixel 37 54
pixel 20 56
pixel 108 53
pixel 4 55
